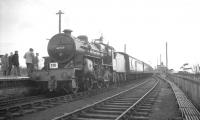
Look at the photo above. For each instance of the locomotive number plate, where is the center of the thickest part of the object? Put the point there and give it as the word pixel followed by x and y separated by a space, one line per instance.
pixel 53 65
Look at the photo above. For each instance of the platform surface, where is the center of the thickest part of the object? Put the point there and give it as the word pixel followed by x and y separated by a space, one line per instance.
pixel 2 78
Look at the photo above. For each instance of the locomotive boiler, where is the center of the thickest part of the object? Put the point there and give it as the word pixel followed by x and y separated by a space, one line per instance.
pixel 75 64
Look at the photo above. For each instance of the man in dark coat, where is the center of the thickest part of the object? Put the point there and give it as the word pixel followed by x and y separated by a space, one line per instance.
pixel 15 61
pixel 10 63
pixel 4 62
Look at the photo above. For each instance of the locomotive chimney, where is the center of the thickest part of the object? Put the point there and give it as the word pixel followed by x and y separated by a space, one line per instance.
pixel 67 32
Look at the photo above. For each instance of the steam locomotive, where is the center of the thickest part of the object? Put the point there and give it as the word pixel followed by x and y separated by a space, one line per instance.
pixel 76 64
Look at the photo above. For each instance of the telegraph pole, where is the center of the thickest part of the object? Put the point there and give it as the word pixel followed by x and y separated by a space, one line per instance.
pixel 160 59
pixel 166 57
pixel 157 61
pixel 59 13
pixel 124 48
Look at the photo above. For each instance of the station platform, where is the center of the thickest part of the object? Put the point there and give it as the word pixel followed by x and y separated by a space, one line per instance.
pixel 11 86
pixel 7 78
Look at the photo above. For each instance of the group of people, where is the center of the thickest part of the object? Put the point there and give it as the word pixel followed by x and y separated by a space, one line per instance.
pixel 9 62
pixel 12 62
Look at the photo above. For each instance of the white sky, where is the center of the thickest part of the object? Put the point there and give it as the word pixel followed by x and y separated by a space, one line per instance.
pixel 144 25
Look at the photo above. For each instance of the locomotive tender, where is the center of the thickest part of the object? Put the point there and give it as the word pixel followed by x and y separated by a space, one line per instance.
pixel 75 64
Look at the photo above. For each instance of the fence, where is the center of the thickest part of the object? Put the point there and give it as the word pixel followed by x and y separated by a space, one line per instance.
pixel 191 87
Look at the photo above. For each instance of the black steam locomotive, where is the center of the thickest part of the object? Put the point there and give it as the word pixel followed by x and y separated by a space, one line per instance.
pixel 75 64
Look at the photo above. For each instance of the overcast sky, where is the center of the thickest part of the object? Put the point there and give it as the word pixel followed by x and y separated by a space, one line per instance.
pixel 144 25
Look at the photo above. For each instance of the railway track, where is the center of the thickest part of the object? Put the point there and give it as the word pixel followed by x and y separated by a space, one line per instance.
pixel 19 107
pixel 10 102
pixel 134 103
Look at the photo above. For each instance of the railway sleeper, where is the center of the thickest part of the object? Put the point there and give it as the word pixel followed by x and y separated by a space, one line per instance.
pixel 53 99
pixel 98 116
pixel 57 102
pixel 139 113
pixel 147 104
pixel 125 100
pixel 115 102
pixel 54 103
pixel 15 111
pixel 3 118
pixel 63 99
pixel 138 118
pixel 143 110
pixel 116 106
pixel 111 109
pixel 48 105
pixel 38 106
pixel 128 103
pixel 144 107
pixel 28 109
pixel 3 111
pixel 120 103
pixel 105 111
pixel 3 114
pixel 89 119
pixel 77 96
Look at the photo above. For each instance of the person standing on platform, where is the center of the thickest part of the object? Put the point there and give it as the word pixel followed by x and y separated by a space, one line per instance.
pixel 10 64
pixel 36 61
pixel 4 65
pixel 15 61
pixel 29 57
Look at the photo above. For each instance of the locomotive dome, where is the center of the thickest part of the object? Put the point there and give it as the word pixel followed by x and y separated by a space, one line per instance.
pixel 61 47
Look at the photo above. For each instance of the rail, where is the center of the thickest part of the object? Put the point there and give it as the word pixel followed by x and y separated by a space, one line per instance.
pixel 132 107
pixel 110 107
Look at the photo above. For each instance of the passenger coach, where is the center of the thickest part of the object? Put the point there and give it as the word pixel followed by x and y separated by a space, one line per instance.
pixel 127 67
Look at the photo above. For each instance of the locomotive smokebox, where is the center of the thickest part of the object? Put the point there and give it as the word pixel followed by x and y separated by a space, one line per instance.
pixel 61 47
